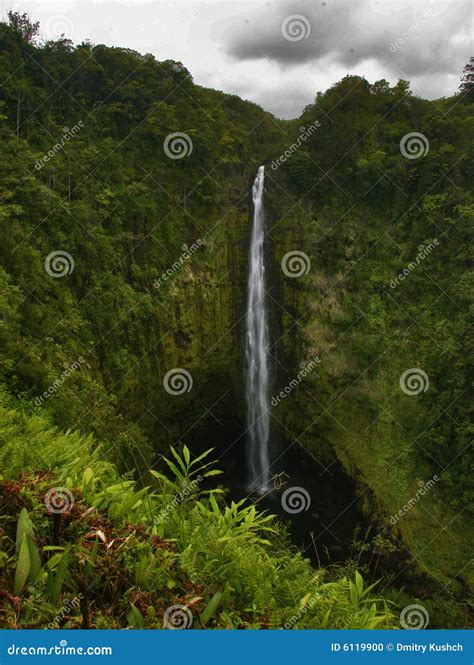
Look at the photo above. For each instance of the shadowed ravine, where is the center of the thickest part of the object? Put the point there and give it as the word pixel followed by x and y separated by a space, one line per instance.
pixel 320 506
pixel 233 390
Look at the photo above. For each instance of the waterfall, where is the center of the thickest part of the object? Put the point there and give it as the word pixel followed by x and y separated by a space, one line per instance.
pixel 256 350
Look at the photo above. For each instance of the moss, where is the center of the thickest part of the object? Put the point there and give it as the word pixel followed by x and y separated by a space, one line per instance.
pixel 351 406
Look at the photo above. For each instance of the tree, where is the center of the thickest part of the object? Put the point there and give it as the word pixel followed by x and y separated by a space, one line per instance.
pixel 23 26
pixel 26 31
pixel 467 82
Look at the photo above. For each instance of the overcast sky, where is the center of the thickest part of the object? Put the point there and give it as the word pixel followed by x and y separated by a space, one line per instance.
pixel 279 54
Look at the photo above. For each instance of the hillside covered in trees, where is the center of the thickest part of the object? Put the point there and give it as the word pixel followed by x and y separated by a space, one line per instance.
pixel 120 263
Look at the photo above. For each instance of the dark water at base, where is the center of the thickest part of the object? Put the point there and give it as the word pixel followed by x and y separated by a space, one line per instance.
pixel 328 517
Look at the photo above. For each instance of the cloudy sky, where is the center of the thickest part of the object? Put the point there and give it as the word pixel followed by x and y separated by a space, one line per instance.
pixel 278 54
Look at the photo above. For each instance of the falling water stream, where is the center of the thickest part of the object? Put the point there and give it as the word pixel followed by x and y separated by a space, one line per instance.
pixel 332 492
pixel 256 350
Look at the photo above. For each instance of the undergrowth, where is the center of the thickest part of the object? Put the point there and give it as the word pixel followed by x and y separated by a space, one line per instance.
pixel 84 547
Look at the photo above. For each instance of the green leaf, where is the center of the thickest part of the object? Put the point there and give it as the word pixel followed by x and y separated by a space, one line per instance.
pixel 214 505
pixel 35 560
pixel 131 502
pixel 174 469
pixel 198 459
pixel 186 455
pixel 22 567
pixel 212 607
pixel 353 593
pixel 59 577
pixel 87 479
pixel 119 487
pixel 179 460
pixel 135 617
pixel 158 475
pixel 24 528
pixel 305 600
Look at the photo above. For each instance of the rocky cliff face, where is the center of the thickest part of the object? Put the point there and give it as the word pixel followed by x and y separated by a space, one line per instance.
pixel 335 374
pixel 338 366
pixel 157 266
pixel 199 311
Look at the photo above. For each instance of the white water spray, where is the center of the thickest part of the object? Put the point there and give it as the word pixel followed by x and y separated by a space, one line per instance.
pixel 256 350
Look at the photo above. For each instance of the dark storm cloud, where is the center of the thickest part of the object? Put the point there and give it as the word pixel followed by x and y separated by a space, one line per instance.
pixel 407 38
pixel 262 34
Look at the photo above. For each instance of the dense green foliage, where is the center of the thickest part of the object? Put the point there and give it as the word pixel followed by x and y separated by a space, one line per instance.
pixel 370 217
pixel 114 201
pixel 366 214
pixel 112 555
pixel 84 171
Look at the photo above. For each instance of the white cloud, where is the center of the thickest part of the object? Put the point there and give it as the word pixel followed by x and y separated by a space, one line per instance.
pixel 221 42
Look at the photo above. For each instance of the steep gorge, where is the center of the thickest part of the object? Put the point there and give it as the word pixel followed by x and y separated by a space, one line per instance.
pixel 128 213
